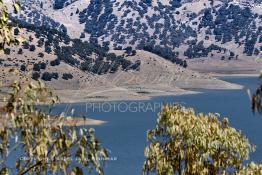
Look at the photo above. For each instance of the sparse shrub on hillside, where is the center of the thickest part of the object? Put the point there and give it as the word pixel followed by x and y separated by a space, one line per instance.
pixel 77 51
pixel 82 35
pixel 175 3
pixel 129 51
pixel 32 48
pixel 25 45
pixel 166 53
pixel 232 54
pixel 118 48
pixel 55 62
pixel 42 65
pixel 31 39
pixel 49 76
pixel 114 67
pixel 86 66
pixel 126 64
pixel 38 66
pixel 197 50
pixel 41 55
pixel 256 51
pixel 16 31
pixel 40 42
pixel 48 49
pixel 23 68
pixel 55 75
pixel 7 51
pixel 133 53
pixel 35 75
pixel 250 45
pixel 207 20
pixel 67 76
pixel 136 65
pixel 106 45
pixel 20 51
pixel 66 55
pixel 59 4
pixel 184 64
pixel 101 67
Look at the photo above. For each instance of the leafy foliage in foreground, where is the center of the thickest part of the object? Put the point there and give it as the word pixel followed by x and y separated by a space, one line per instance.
pixel 187 143
pixel 6 31
pixel 256 99
pixel 257 96
pixel 251 169
pixel 46 147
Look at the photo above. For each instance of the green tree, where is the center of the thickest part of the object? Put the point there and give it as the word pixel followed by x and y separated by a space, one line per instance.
pixel 45 145
pixel 187 143
pixel 6 30
pixel 256 98
pixel 251 169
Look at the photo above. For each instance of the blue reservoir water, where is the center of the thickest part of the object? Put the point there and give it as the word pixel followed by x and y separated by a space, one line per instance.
pixel 124 134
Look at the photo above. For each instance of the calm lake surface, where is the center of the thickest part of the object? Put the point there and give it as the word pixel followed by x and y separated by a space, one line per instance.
pixel 125 133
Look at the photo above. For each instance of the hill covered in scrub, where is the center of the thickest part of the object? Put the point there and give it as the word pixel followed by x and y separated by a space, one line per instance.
pixel 129 47
pixel 78 70
pixel 53 46
pixel 223 29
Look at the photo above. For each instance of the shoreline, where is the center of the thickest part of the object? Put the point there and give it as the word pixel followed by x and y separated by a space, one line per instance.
pixel 219 75
pixel 130 93
pixel 113 96
pixel 66 121
pixel 136 93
